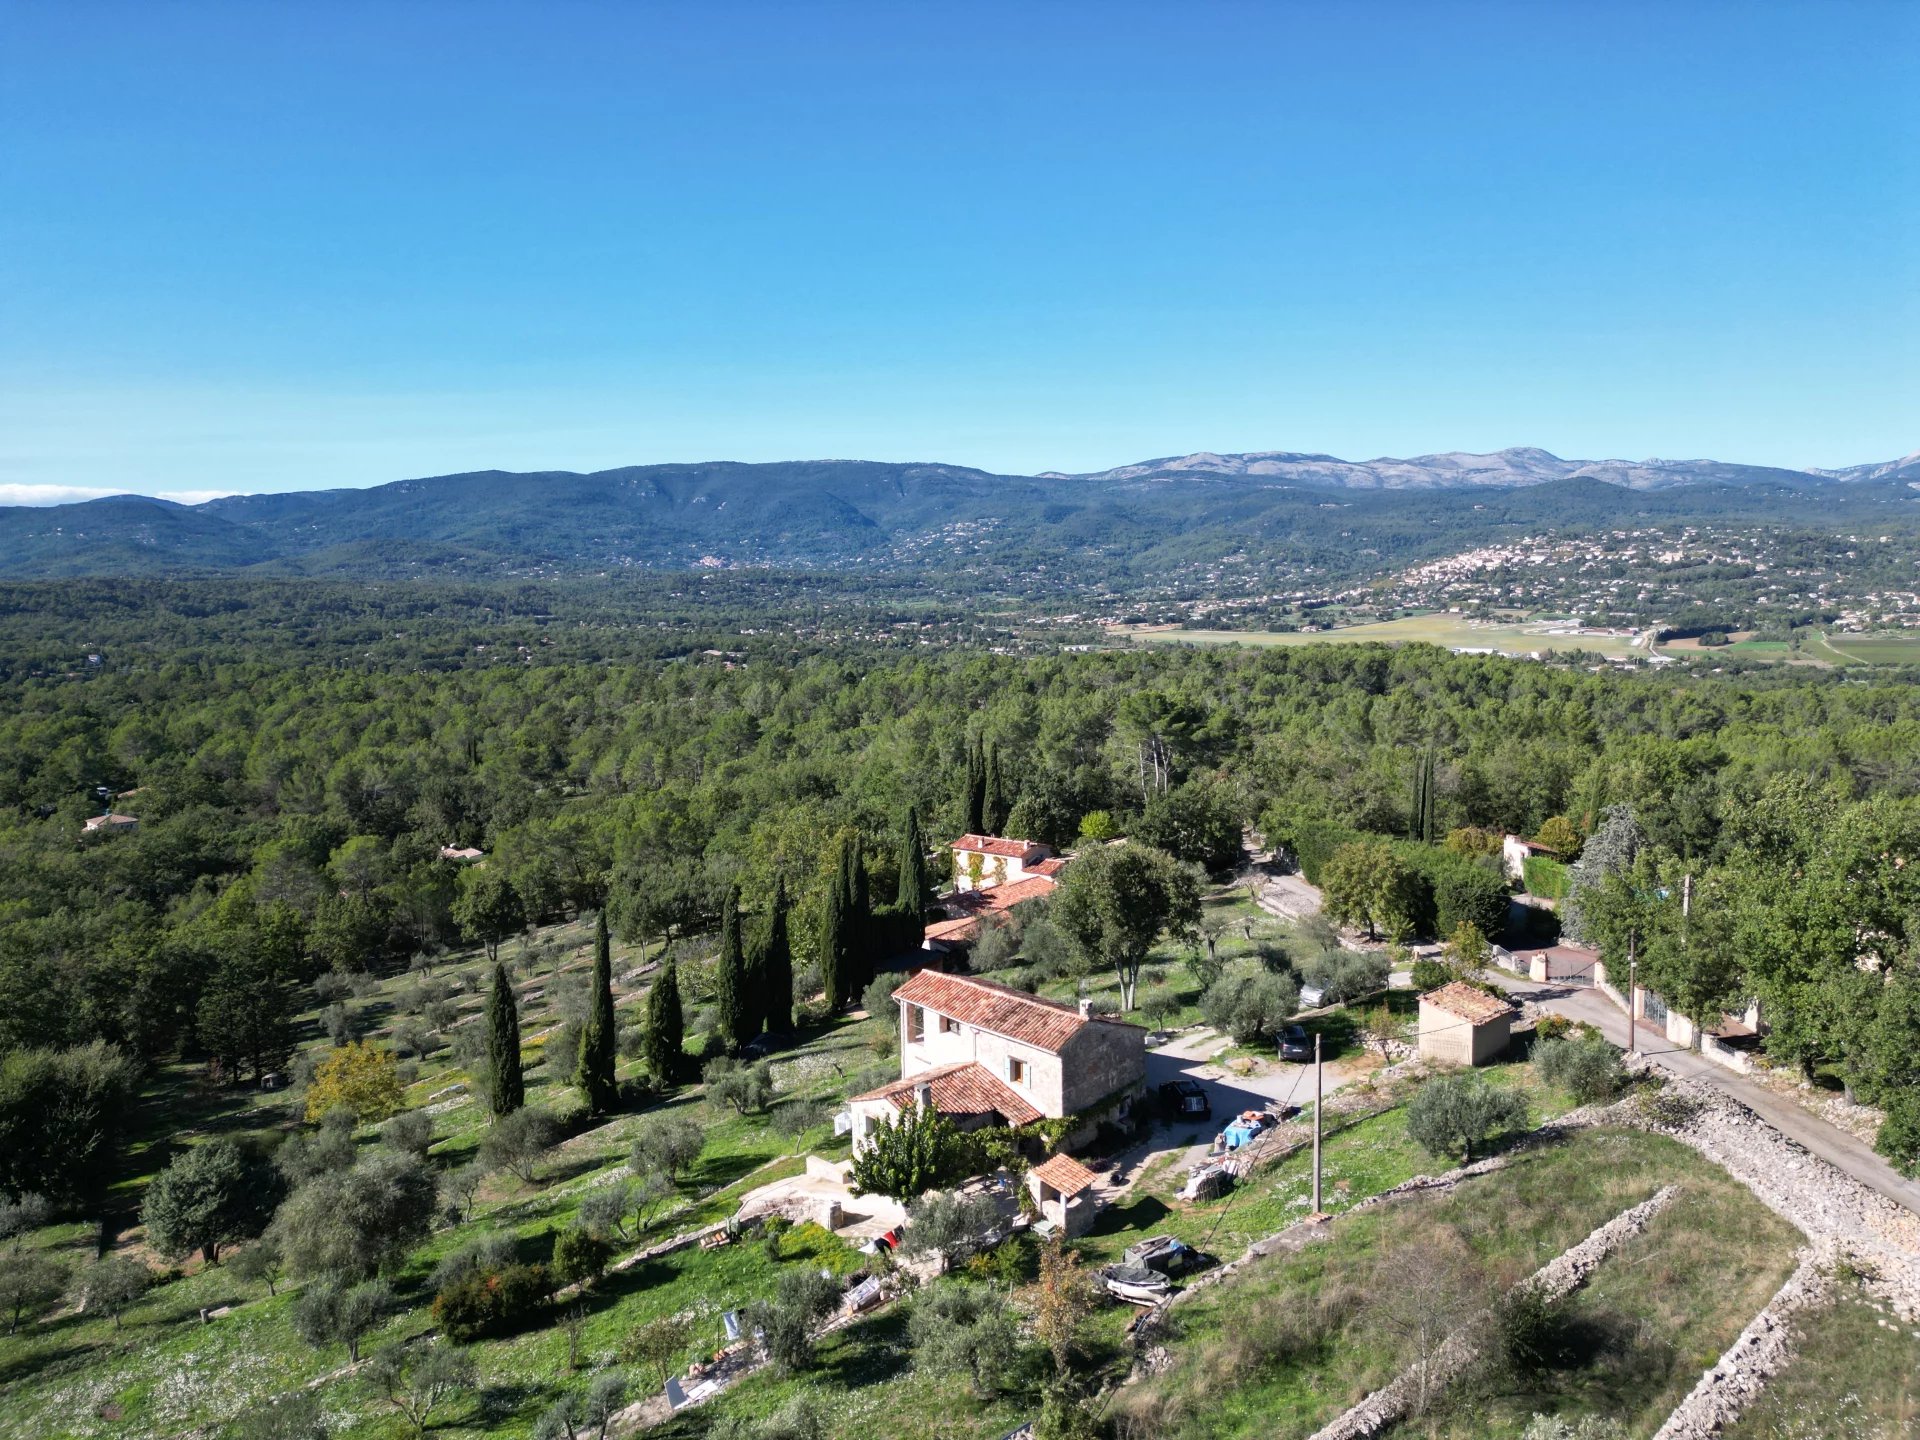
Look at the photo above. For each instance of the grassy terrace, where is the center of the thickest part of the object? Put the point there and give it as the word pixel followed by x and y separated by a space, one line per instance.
pixel 1854 1375
pixel 1297 1338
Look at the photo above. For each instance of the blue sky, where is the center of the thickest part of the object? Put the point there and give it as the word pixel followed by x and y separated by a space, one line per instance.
pixel 264 247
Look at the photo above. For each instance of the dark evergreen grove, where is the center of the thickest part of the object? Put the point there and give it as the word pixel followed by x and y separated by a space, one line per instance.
pixel 506 1086
pixel 308 804
pixel 598 1040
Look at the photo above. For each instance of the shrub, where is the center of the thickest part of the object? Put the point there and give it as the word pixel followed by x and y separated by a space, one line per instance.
pixel 580 1255
pixel 667 1145
pixel 1249 1005
pixel 744 1088
pixel 920 1151
pixel 1899 1135
pixel 1430 975
pixel 488 1253
pixel 1458 1114
pixel 1343 975
pixel 1587 1067
pixel 517 1142
pixel 411 1133
pixel 493 1302
pixel 797 1117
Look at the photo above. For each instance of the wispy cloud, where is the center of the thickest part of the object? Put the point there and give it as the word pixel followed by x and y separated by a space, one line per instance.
pixel 14 494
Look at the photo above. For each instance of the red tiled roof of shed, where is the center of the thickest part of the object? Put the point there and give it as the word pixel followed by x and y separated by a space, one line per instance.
pixel 1466 1003
pixel 1065 1174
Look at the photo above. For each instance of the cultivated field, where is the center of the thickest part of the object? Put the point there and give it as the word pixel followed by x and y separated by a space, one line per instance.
pixel 1453 631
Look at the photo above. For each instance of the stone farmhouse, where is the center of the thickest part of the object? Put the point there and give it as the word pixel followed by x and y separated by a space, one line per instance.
pixel 981 862
pixel 985 1054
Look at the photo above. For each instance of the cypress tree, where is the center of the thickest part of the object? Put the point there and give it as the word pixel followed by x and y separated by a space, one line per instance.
pixel 976 790
pixel 506 1087
pixel 732 1004
pixel 915 881
pixel 995 806
pixel 664 1044
pixel 776 966
pixel 859 922
pixel 833 958
pixel 594 1074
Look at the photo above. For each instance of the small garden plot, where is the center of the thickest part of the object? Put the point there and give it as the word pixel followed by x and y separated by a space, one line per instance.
pixel 1854 1375
pixel 1294 1340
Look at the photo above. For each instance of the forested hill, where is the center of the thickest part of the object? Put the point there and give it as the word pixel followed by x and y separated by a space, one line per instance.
pixel 1138 523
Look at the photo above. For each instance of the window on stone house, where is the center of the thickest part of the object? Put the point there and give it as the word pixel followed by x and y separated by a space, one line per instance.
pixel 916 1024
pixel 949 1025
pixel 1016 1070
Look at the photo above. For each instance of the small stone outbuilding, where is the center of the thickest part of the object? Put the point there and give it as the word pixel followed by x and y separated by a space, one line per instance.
pixel 1462 1025
pixel 1063 1189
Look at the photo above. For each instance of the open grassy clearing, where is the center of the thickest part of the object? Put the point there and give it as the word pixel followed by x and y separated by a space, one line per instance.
pixel 1297 1338
pixel 1436 629
pixel 1854 1375
pixel 1885 648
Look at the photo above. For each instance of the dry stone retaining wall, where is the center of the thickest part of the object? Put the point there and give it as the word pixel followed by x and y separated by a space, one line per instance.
pixel 1760 1353
pixel 1386 1407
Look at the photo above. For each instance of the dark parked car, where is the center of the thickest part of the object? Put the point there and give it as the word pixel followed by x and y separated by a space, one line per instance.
pixel 1296 1043
pixel 1187 1097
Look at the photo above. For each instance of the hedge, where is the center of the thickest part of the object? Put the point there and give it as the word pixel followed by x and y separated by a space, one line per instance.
pixel 1545 877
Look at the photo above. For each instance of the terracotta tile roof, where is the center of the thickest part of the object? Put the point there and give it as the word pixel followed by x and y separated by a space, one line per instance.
pixel 1460 999
pixel 968 1088
pixel 1049 1024
pixel 995 845
pixel 1065 1174
pixel 991 901
pixel 1049 867
pixel 954 932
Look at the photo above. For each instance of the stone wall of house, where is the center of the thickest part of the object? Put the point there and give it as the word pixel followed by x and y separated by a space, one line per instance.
pixel 1099 1060
pixel 1045 1087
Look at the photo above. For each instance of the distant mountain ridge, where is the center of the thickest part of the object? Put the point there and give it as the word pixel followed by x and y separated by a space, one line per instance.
pixel 1136 525
pixel 1520 465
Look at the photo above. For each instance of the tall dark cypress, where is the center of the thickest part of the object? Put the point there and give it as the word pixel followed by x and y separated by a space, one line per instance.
pixel 776 966
pixel 506 1086
pixel 859 922
pixel 916 881
pixel 833 950
pixel 594 1074
pixel 997 804
pixel 732 1004
pixel 664 1043
pixel 976 790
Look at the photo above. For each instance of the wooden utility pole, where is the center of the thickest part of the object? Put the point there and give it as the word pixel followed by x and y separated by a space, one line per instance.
pixel 1316 1123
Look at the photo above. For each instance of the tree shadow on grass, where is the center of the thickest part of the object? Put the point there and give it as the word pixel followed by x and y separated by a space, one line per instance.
pixel 1141 1213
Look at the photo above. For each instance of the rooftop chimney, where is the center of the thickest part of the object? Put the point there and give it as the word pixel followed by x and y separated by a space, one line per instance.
pixel 923 1096
pixel 1086 1007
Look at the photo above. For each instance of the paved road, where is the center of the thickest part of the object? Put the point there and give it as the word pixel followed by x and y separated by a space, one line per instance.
pixel 1830 1143
pixel 1188 1057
